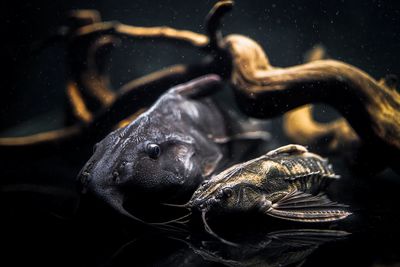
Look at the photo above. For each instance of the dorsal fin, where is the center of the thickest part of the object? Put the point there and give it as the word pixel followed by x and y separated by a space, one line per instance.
pixel 201 87
pixel 292 149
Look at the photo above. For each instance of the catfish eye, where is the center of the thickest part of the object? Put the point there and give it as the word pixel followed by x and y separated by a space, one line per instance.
pixel 153 150
pixel 227 192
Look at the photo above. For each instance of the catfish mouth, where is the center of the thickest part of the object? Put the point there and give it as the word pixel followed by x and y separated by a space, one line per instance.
pixel 116 200
pixel 201 198
pixel 135 202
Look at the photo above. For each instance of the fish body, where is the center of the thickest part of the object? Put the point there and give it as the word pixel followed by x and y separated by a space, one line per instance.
pixel 287 183
pixel 165 153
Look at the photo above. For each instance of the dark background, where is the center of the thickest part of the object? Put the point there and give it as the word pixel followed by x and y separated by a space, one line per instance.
pixel 363 33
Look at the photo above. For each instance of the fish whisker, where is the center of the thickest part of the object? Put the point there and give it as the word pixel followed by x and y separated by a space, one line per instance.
pixel 211 232
pixel 171 228
pixel 177 220
pixel 186 205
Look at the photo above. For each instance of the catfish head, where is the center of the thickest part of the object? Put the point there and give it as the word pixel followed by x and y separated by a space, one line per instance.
pixel 159 156
pixel 231 191
pixel 234 190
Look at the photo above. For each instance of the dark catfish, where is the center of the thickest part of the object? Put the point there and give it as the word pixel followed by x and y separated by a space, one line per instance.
pixel 165 153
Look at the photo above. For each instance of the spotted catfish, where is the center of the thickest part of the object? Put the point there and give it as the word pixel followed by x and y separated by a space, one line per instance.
pixel 286 183
pixel 165 153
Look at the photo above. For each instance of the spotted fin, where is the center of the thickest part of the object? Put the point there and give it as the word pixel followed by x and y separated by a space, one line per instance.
pixel 304 207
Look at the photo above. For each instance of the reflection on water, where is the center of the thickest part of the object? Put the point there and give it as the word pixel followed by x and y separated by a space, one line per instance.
pixel 40 228
pixel 279 248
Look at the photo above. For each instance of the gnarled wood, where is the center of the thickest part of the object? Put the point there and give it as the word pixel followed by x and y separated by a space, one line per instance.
pixel 329 137
pixel 264 91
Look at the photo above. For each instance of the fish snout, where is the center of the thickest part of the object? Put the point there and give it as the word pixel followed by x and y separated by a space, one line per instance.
pixel 203 204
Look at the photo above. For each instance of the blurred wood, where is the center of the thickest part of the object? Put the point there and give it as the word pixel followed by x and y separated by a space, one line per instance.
pixel 49 136
pixel 92 101
pixel 88 85
pixel 161 33
pixel 139 94
pixel 213 23
pixel 329 137
pixel 89 43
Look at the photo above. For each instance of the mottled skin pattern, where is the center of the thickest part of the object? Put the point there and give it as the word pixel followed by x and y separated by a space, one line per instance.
pixel 286 183
pixel 163 154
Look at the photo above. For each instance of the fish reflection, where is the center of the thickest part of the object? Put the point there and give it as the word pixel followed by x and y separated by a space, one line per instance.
pixel 281 247
pixel 278 248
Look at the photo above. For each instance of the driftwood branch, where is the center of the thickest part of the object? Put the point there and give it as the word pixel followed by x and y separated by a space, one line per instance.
pixel 88 87
pixel 89 42
pixel 264 91
pixel 160 33
pixel 372 109
pixel 329 137
pixel 132 97
pixel 213 23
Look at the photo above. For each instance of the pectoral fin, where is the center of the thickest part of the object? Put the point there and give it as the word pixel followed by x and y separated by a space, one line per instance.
pixel 304 207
